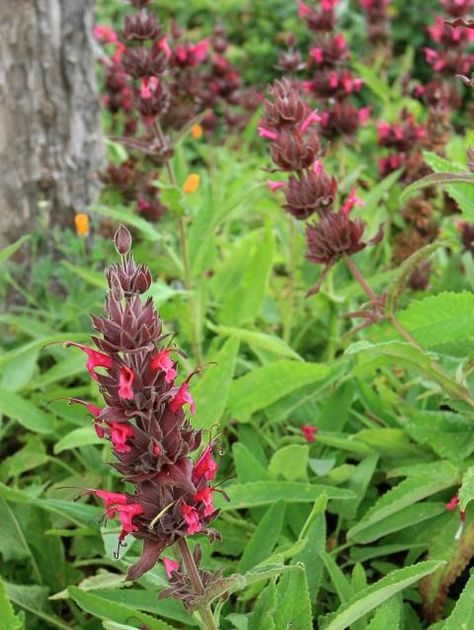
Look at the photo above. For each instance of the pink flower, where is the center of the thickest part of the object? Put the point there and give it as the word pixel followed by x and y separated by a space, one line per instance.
pixel 119 433
pixel 119 50
pixel 267 133
pixel 205 496
pixel 351 201
pixel 317 167
pixel 205 466
pixel 105 34
pixel 309 432
pixel 95 359
pixel 328 5
pixel 309 120
pixel 383 129
pixel 317 54
pixel 126 378
pixel 340 41
pixel 164 46
pixel 452 504
pixel 430 55
pixel 333 80
pixel 303 9
pixel 111 501
pixel 275 185
pixel 126 514
pixel 181 398
pixel 162 361
pixel 170 566
pixel 191 516
pixel 307 86
pixel 364 115
pixel 200 50
pixel 148 86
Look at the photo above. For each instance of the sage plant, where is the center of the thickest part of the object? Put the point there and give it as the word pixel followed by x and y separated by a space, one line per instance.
pixel 167 496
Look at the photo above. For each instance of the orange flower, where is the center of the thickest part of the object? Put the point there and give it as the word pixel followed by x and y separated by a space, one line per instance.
pixel 196 132
pixel 192 183
pixel 82 224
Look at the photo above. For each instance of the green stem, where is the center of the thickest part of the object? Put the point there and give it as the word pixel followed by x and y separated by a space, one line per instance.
pixel 194 314
pixel 193 572
pixel 292 281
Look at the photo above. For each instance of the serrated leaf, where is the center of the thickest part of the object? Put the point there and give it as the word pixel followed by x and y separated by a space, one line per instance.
pixel 32 598
pixel 450 435
pixel 212 391
pixel 435 478
pixel 466 491
pixel 293 607
pixel 388 616
pixel 8 619
pixel 374 595
pixel 8 251
pixel 245 495
pixel 462 617
pixel 264 385
pixel 442 322
pixel 263 614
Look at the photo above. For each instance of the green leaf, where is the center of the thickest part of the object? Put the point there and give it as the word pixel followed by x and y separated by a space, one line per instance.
pixel 432 478
pixel 449 434
pixel 264 385
pixel 245 495
pixel 462 617
pixel 8 251
pixel 466 492
pixel 291 462
pixel 342 585
pixel 18 372
pixel 123 215
pixel 442 322
pixel 212 391
pixel 95 278
pixel 408 355
pixel 293 607
pixel 32 455
pixel 78 437
pixel 388 616
pixel 248 467
pixel 260 340
pixel 26 413
pixel 263 615
pixel 8 619
pixel 374 595
pixel 406 517
pixel 114 611
pixel 242 301
pixel 314 531
pixel 32 599
pixel 264 538
pixel 373 81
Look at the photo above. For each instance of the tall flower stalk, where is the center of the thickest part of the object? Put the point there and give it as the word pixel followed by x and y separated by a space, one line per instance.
pixel 144 416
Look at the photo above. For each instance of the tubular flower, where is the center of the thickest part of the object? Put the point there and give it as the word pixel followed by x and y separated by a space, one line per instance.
pixel 144 420
pixel 170 566
pixel 309 432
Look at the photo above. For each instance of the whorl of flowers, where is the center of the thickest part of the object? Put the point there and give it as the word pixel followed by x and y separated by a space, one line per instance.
pixel 378 25
pixel 404 138
pixel 145 420
pixel 332 82
pixel 288 124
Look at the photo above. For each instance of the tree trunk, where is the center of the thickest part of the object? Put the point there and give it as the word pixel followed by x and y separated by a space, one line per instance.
pixel 50 123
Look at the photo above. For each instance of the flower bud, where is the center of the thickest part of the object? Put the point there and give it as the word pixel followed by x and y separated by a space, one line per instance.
pixel 122 240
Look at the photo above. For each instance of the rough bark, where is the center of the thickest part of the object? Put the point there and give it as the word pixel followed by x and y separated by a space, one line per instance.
pixel 50 124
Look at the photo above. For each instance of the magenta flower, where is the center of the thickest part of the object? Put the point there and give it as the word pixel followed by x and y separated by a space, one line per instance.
pixel 162 361
pixel 170 566
pixel 120 432
pixel 267 133
pixel 94 359
pixel 351 201
pixel 205 496
pixel 126 514
pixel 126 378
pixel 275 185
pixel 191 516
pixel 205 467
pixel 183 397
pixel 452 504
pixel 309 432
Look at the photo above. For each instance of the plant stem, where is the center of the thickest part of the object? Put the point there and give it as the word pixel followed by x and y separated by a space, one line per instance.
pixel 188 283
pixel 292 280
pixel 193 572
pixel 360 278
